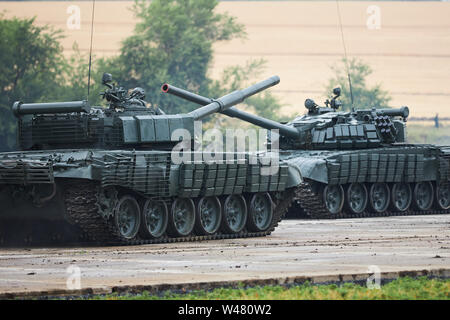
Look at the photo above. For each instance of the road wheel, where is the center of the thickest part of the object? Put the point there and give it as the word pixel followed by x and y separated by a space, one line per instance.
pixel 423 195
pixel 443 196
pixel 155 217
pixel 357 198
pixel 208 215
pixel 401 196
pixel 333 198
pixel 379 197
pixel 127 217
pixel 234 214
pixel 260 212
pixel 182 217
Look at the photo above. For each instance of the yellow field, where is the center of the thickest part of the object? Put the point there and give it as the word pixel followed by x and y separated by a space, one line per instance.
pixel 410 53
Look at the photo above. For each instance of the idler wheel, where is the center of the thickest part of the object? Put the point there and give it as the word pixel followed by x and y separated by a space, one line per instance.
pixel 357 198
pixel 379 196
pixel 423 195
pixel 155 217
pixel 260 212
pixel 208 215
pixel 182 217
pixel 234 214
pixel 127 217
pixel 333 198
pixel 401 196
pixel 443 196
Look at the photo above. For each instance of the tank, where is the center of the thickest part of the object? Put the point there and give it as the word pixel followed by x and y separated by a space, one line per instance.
pixel 108 175
pixel 353 163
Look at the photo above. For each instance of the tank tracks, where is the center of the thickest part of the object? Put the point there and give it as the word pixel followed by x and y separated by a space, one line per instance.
pixel 80 200
pixel 311 206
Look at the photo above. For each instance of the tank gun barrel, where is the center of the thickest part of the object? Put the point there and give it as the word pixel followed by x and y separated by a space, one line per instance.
pixel 20 108
pixel 262 122
pixel 232 111
pixel 186 95
pixel 231 99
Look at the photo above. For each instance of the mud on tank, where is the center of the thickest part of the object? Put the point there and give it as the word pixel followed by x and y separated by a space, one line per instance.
pixel 106 175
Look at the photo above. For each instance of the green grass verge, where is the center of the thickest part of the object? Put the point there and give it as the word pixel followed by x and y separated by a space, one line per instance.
pixel 400 289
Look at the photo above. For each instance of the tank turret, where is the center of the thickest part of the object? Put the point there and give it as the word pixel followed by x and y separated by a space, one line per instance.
pixel 325 127
pixel 127 122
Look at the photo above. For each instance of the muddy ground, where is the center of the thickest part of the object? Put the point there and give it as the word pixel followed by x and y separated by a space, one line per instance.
pixel 313 248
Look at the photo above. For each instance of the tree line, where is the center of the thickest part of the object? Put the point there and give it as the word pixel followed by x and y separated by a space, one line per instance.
pixel 172 42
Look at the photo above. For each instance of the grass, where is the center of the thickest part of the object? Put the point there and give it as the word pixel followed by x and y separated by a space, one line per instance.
pixel 401 289
pixel 417 133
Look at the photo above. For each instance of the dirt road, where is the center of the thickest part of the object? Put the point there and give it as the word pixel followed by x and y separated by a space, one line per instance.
pixel 297 248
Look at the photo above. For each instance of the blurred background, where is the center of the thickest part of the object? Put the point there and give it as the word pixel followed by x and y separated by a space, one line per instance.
pixel 398 53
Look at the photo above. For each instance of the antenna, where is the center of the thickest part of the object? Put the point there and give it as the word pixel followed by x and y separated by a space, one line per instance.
pixel 90 50
pixel 345 51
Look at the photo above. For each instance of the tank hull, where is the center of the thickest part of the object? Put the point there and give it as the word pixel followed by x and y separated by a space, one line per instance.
pixel 87 195
pixel 410 179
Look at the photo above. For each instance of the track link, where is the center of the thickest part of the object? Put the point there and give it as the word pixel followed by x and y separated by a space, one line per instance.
pixel 81 209
pixel 312 207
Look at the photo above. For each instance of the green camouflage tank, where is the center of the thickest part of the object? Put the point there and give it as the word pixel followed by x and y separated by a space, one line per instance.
pixel 107 175
pixel 353 163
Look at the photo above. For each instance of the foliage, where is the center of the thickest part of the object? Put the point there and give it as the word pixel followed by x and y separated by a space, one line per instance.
pixel 238 77
pixel 401 289
pixel 75 85
pixel 31 68
pixel 363 96
pixel 172 42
